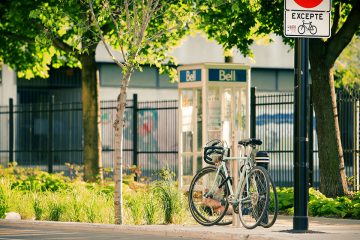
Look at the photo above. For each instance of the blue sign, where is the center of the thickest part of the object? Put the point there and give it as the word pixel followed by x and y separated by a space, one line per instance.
pixel 227 75
pixel 192 75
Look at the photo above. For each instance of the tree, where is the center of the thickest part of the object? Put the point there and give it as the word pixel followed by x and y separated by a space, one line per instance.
pixel 144 31
pixel 267 17
pixel 347 66
pixel 37 34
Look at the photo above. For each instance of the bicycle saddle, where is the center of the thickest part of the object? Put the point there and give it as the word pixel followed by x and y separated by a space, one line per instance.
pixel 250 141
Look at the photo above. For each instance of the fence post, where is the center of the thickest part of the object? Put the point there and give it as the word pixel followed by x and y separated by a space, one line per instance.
pixel 135 132
pixel 11 130
pixel 356 143
pixel 311 139
pixel 253 112
pixel 50 134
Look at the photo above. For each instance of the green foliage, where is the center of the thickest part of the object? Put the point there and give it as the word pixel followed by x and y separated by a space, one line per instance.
pixel 347 66
pixel 172 201
pixel 150 208
pixel 88 202
pixel 38 208
pixel 55 210
pixel 41 182
pixel 164 174
pixel 320 205
pixel 135 203
pixel 285 198
pixel 3 203
pixel 230 23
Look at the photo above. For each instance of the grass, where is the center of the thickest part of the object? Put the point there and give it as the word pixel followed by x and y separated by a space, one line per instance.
pixel 36 195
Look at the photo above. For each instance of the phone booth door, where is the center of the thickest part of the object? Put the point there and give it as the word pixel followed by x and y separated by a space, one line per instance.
pixel 190 133
pixel 226 118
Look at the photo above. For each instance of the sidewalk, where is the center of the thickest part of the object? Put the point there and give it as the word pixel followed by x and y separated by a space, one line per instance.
pixel 319 228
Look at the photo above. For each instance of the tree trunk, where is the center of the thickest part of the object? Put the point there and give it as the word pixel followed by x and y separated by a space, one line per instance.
pixel 91 118
pixel 331 159
pixel 118 162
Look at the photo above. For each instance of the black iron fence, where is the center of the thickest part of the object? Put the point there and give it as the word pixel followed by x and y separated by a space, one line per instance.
pixel 274 125
pixel 48 135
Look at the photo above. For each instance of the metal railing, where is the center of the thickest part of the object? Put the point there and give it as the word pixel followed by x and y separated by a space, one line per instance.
pixel 48 135
pixel 34 134
pixel 274 125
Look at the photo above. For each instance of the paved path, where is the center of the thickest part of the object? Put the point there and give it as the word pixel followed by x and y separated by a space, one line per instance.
pixel 50 232
pixel 320 228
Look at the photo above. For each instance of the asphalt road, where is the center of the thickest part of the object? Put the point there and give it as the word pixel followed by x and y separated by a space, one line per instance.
pixel 40 232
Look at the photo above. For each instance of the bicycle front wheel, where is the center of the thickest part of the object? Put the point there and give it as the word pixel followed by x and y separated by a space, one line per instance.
pixel 273 207
pixel 254 197
pixel 208 195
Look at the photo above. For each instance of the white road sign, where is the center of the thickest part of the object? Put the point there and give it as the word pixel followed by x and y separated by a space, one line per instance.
pixel 307 18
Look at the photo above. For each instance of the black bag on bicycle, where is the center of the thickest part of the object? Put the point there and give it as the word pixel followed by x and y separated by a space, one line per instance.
pixel 262 159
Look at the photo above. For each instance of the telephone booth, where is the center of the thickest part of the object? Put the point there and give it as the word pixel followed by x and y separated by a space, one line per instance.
pixel 214 103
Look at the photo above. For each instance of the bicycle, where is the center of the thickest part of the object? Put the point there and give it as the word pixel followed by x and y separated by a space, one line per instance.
pixel 311 28
pixel 211 193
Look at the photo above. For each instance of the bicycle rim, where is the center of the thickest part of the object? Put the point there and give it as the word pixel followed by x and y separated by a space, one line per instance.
pixel 207 201
pixel 254 197
pixel 270 215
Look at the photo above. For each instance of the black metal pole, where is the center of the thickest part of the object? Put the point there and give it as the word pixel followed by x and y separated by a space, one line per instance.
pixel 311 139
pixel 301 221
pixel 135 132
pixel 50 134
pixel 253 113
pixel 11 130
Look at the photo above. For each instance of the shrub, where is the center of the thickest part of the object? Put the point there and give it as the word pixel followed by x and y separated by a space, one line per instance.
pixel 38 208
pixel 150 207
pixel 41 182
pixel 3 203
pixel 172 201
pixel 135 204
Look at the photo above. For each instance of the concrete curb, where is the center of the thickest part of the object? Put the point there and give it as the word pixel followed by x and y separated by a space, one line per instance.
pixel 185 231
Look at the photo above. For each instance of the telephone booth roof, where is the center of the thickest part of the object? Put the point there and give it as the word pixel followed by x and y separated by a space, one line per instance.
pixel 194 75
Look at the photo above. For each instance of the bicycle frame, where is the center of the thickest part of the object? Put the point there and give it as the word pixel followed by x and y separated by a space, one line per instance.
pixel 247 165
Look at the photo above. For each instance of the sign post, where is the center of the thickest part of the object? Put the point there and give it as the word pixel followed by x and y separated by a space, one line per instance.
pixel 303 19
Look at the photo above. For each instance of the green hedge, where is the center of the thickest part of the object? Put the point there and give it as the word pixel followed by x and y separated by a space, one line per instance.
pixel 320 205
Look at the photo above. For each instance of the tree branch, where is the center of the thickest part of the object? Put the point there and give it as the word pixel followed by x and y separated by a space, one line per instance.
pixel 336 20
pixel 118 32
pixel 63 46
pixel 121 65
pixel 342 38
pixel 16 36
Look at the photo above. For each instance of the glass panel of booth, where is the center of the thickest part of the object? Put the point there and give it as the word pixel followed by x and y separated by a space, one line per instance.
pixel 226 115
pixel 199 120
pixel 187 120
pixel 214 113
pixel 240 113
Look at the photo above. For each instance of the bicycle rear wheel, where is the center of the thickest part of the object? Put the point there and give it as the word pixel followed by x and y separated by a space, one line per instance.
pixel 273 207
pixel 254 197
pixel 208 196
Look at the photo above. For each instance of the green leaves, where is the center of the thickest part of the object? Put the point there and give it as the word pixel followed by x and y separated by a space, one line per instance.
pixel 320 205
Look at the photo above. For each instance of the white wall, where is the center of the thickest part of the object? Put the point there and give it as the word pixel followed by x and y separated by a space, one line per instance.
pixel 197 48
pixel 8 87
pixel 144 94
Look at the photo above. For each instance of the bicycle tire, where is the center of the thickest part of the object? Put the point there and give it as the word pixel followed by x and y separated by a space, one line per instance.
pixel 223 222
pixel 254 197
pixel 301 29
pixel 313 30
pixel 273 207
pixel 210 210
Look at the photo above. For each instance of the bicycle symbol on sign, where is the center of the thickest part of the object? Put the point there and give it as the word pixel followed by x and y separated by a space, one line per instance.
pixel 307 26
